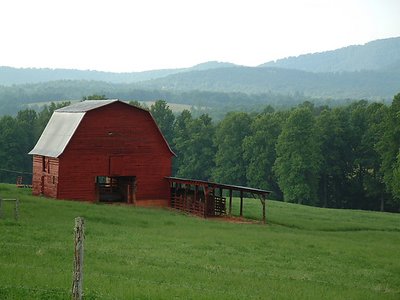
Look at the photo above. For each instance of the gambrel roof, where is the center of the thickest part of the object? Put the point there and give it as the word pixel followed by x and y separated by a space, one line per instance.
pixel 63 124
pixel 87 105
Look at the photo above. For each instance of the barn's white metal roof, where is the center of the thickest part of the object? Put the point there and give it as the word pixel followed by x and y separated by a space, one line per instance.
pixel 86 105
pixel 57 134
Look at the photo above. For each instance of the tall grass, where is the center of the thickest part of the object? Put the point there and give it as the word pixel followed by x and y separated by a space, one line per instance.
pixel 138 253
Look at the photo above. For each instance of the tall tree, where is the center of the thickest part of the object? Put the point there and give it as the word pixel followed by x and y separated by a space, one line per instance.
pixel 164 118
pixel 395 186
pixel 199 149
pixel 298 158
pixel 181 137
pixel 95 97
pixel 27 123
pixel 374 186
pixel 359 126
pixel 12 149
pixel 138 104
pixel 388 148
pixel 259 151
pixel 334 134
pixel 230 166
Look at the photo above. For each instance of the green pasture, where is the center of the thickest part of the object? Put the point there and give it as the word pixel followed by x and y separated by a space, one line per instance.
pixel 137 253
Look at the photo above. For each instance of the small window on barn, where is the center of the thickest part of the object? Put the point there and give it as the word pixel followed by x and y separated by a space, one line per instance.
pixel 43 163
pixel 102 179
pixel 46 164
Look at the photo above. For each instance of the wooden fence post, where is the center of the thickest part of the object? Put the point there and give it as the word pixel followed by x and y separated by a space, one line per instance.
pixel 77 283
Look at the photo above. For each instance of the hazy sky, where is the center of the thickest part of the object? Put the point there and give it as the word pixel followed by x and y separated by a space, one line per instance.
pixel 130 35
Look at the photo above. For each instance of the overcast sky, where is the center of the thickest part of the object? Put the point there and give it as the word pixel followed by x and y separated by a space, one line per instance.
pixel 130 35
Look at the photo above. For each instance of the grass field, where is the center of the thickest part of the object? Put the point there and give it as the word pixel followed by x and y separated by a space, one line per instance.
pixel 137 253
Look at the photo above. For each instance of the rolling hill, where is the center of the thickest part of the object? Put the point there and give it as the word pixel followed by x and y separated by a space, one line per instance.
pixel 372 85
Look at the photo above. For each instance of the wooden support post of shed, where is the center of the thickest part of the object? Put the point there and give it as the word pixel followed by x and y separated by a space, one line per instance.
pixel 241 203
pixel 196 190
pixel 185 201
pixel 205 200
pixel 262 199
pixel 230 202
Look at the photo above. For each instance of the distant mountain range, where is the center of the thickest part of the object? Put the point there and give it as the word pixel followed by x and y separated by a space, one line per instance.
pixel 9 75
pixel 376 55
pixel 370 71
pixel 379 55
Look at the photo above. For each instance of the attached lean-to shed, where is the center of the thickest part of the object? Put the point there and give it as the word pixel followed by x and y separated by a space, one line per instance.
pixel 207 199
pixel 103 150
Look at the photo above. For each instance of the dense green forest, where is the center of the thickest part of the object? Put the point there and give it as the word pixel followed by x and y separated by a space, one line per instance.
pixel 19 97
pixel 342 157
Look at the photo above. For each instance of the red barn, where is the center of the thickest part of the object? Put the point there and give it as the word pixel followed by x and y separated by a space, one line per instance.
pixel 103 150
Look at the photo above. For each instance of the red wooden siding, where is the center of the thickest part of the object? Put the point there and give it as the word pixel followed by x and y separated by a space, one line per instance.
pixel 45 176
pixel 115 140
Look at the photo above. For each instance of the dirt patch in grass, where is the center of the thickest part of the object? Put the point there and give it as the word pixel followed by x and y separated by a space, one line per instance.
pixel 234 219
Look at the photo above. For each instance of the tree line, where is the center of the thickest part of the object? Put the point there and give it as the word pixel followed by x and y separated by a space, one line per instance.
pixel 341 157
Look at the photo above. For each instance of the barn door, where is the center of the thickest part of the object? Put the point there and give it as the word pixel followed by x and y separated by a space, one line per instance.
pixel 128 186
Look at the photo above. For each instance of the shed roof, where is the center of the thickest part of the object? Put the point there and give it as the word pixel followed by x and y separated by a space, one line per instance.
pixel 219 185
pixel 64 122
